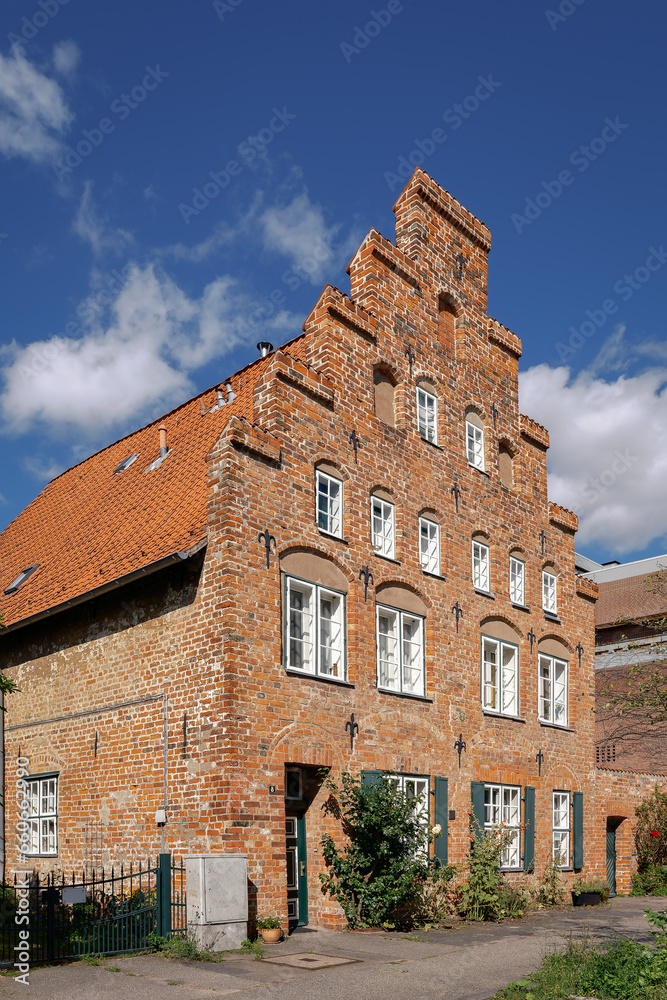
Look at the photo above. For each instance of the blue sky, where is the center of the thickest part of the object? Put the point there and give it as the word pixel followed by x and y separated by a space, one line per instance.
pixel 125 291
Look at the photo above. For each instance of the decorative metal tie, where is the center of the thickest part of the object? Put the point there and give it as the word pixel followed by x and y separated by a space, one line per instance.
pixel 458 611
pixel 354 441
pixel 268 538
pixel 543 538
pixel 494 413
pixel 539 757
pixel 456 491
pixel 96 743
pixel 461 261
pixel 460 747
pixel 353 728
pixel 410 356
pixel 531 635
pixel 366 575
pixel 580 650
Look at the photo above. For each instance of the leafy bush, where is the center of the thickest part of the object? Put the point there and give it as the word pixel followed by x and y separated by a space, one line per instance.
pixel 183 949
pixel 485 895
pixel 650 882
pixel 384 864
pixel 651 831
pixel 436 900
pixel 590 883
pixel 552 890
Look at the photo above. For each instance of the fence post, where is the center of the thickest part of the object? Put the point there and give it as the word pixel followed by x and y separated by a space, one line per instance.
pixel 164 896
pixel 51 897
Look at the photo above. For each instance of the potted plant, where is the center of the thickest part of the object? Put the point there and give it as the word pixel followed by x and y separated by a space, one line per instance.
pixel 589 891
pixel 270 929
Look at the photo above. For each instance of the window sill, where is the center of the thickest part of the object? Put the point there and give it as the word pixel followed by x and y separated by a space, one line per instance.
pixel 334 538
pixel 484 593
pixel 317 677
pixel 404 694
pixel 556 725
pixel 477 469
pixel 550 617
pixel 433 444
pixel 386 558
pixel 436 576
pixel 511 869
pixel 520 607
pixel 502 715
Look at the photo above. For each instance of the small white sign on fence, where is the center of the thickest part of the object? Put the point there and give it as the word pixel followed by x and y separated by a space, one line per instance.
pixel 74 894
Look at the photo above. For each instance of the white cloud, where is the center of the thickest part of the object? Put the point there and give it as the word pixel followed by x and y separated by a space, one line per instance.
pixel 42 468
pixel 132 356
pixel 608 455
pixel 34 115
pixel 95 230
pixel 298 231
pixel 221 236
pixel 66 56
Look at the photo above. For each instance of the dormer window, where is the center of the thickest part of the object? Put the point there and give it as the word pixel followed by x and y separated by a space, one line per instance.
pixel 125 464
pixel 21 579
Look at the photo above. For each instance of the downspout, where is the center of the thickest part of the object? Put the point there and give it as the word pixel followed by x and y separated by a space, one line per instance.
pixel 2 787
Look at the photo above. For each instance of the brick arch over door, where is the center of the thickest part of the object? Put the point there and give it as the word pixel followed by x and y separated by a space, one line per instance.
pixel 305 743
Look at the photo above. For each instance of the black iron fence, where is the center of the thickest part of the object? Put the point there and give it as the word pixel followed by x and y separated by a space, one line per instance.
pixel 48 918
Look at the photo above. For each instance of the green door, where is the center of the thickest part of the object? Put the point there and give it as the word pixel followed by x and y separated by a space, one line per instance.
pixel 611 859
pixel 297 871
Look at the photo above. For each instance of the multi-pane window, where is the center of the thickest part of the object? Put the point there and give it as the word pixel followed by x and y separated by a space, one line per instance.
pixel 382 527
pixel 400 651
pixel 429 545
pixel 417 790
pixel 561 829
pixel 480 566
pixel 502 804
pixel 43 819
pixel 329 504
pixel 315 629
pixel 517 581
pixel 427 415
pixel 553 690
pixel 499 676
pixel 549 602
pixel 475 444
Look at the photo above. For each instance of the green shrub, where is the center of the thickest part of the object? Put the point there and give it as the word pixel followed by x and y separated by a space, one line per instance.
pixel 183 949
pixel 651 831
pixel 267 923
pixel 437 897
pixel 650 882
pixel 380 871
pixel 552 890
pixel 590 883
pixel 485 895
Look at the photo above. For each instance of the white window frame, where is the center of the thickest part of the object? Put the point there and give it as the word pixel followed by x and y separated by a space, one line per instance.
pixel 481 568
pixel 549 592
pixel 427 415
pixel 500 686
pixel 42 795
pixel 517 581
pixel 429 545
pixel 396 645
pixel 418 787
pixel 384 539
pixel 316 638
pixel 329 503
pixel 552 689
pixel 561 828
pixel 502 805
pixel 475 445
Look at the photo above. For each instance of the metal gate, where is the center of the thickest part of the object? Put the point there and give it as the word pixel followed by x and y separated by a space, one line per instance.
pixel 47 919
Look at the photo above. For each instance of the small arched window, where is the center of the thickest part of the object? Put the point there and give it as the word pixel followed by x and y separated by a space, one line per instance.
pixel 447 324
pixel 475 440
pixel 385 390
pixel 505 466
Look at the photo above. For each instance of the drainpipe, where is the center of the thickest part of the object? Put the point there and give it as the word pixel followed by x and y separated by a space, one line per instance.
pixel 2 787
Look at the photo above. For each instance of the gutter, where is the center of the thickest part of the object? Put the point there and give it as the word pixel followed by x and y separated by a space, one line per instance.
pixel 105 588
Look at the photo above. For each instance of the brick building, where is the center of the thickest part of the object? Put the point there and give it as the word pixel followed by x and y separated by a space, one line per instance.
pixel 355 524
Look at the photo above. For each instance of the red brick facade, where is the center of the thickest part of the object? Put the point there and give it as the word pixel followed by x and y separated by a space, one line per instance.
pixel 199 647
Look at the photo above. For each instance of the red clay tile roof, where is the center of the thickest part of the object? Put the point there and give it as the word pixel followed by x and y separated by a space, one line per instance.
pixel 89 527
pixel 629 598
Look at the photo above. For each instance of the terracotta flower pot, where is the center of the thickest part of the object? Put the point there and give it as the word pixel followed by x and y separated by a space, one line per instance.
pixel 271 935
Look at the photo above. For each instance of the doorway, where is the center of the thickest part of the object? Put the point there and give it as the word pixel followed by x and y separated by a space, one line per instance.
pixel 302 783
pixel 612 825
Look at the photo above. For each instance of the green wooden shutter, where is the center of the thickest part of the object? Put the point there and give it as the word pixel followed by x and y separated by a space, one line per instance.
pixel 578 830
pixel 371 777
pixel 528 828
pixel 477 792
pixel 440 843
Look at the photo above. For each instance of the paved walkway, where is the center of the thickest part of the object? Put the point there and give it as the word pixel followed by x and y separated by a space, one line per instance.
pixel 466 963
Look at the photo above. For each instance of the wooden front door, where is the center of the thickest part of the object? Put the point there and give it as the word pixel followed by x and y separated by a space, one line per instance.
pixel 297 871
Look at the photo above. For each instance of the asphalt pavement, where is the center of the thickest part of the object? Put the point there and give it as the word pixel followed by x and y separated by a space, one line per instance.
pixel 468 962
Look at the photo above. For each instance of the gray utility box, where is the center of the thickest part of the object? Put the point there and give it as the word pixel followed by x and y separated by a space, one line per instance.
pixel 217 894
